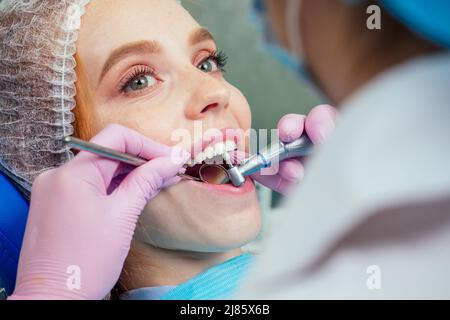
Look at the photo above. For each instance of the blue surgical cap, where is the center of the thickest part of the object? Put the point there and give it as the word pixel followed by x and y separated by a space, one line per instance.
pixel 430 19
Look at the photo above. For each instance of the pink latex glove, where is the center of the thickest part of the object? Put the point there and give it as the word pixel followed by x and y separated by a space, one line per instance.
pixel 319 123
pixel 77 223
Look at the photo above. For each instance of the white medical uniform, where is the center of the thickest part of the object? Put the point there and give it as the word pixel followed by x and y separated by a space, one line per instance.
pixel 372 218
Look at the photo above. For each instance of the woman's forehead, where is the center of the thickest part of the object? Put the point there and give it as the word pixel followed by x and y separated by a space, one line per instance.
pixel 112 24
pixel 109 24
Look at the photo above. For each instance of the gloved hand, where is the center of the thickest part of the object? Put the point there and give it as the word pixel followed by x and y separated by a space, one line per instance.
pixel 83 215
pixel 319 123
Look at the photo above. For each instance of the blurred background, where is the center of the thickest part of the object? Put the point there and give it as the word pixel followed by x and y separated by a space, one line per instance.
pixel 271 89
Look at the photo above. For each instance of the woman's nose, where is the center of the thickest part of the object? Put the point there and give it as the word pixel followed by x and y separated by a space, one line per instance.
pixel 209 94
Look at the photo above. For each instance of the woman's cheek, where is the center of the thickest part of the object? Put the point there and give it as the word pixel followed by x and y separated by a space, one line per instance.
pixel 241 109
pixel 142 120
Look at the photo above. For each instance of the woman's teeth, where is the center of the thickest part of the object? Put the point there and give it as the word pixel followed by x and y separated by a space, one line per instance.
pixel 213 151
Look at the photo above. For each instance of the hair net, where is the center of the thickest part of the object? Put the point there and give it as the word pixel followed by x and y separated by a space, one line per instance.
pixel 37 85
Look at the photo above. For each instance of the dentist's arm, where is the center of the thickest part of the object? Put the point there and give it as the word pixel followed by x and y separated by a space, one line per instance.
pixel 318 124
pixel 83 215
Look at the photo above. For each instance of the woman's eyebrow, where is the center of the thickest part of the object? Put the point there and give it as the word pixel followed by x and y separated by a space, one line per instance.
pixel 200 35
pixel 146 46
pixel 128 49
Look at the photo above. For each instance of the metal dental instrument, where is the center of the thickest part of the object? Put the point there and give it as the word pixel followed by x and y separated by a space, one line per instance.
pixel 79 144
pixel 214 174
pixel 277 151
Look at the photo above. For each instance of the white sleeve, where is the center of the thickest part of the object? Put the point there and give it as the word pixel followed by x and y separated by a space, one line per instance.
pixel 397 253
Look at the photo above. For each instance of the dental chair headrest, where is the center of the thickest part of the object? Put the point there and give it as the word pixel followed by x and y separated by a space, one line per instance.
pixel 13 218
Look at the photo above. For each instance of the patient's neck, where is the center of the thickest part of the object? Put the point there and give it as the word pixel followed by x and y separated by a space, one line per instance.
pixel 148 266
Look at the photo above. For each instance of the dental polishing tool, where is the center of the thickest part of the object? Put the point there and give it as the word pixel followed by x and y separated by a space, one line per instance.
pixel 275 152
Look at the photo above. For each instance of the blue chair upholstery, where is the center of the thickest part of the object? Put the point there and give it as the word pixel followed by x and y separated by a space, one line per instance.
pixel 13 217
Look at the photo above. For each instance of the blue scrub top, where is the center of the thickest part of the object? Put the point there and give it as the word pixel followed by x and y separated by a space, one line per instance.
pixel 218 282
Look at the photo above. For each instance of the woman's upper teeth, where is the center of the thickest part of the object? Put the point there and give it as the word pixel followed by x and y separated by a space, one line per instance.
pixel 217 149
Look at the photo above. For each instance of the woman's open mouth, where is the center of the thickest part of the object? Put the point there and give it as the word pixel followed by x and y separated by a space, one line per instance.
pixel 211 165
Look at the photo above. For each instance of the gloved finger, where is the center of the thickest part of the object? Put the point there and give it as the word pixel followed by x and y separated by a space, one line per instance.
pixel 273 182
pixel 145 182
pixel 124 169
pixel 271 178
pixel 320 122
pixel 171 182
pixel 174 180
pixel 289 173
pixel 291 127
pixel 124 140
pixel 118 180
pixel 291 170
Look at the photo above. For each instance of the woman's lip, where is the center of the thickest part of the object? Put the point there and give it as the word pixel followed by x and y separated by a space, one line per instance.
pixel 228 189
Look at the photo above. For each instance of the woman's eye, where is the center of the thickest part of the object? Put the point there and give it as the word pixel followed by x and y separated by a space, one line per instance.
pixel 209 65
pixel 140 83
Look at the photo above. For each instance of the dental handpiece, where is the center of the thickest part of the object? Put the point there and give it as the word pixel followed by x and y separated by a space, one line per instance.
pixel 275 152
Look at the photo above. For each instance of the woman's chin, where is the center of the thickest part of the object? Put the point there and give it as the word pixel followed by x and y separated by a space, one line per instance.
pixel 215 246
pixel 208 237
pixel 192 217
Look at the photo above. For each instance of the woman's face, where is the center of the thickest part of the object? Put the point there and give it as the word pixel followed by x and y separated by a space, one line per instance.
pixel 151 67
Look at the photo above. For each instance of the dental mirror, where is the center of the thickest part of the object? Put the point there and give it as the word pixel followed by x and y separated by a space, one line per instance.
pixel 213 174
